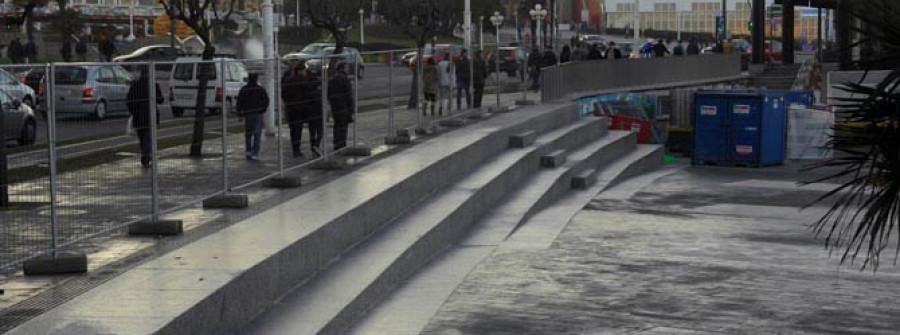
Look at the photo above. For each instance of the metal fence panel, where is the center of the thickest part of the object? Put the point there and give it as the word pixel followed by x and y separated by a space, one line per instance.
pixel 25 227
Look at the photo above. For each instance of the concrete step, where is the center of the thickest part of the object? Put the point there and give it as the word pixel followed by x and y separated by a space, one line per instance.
pixel 539 231
pixel 546 187
pixel 409 308
pixel 339 296
pixel 554 159
pixel 221 282
pixel 584 179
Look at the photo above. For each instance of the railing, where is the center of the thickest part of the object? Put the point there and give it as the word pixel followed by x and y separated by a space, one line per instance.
pixel 572 79
pixel 75 175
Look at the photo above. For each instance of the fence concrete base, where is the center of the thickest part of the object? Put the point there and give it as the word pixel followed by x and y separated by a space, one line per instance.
pixel 422 130
pixel 59 264
pixel 283 182
pixel 158 227
pixel 501 109
pixel 328 164
pixel 476 114
pixel 452 123
pixel 396 140
pixel 358 151
pixel 525 102
pixel 228 201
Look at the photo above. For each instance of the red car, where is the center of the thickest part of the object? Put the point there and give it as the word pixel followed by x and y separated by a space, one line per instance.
pixel 439 51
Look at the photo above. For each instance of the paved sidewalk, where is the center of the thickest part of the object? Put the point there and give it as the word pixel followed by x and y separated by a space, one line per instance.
pixel 109 195
pixel 700 251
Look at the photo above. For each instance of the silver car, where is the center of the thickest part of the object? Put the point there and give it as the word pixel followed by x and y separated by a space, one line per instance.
pixel 18 120
pixel 93 90
pixel 15 87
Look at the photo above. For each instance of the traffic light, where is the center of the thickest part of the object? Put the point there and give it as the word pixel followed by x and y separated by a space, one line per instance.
pixel 750 26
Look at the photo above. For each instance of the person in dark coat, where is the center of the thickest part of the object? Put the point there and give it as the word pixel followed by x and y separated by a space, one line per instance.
pixel 66 51
pixel 480 73
pixel 678 50
pixel 549 59
pixel 252 103
pixel 291 95
pixel 81 49
pixel 566 55
pixel 340 96
pixel 693 48
pixel 463 79
pixel 107 48
pixel 139 108
pixel 31 52
pixel 15 51
pixel 594 53
pixel 613 52
pixel 534 64
pixel 660 50
pixel 311 98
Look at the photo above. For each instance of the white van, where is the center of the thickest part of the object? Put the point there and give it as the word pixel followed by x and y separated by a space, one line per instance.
pixel 184 83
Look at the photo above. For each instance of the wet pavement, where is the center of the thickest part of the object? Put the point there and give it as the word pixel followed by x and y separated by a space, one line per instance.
pixel 701 250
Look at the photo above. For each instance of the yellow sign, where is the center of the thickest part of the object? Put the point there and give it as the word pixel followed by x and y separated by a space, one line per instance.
pixel 161 27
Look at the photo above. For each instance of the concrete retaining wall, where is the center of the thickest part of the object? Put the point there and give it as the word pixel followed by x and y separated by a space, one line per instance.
pixel 561 81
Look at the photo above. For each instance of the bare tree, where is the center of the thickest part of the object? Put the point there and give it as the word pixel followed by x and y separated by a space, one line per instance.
pixel 422 21
pixel 27 17
pixel 334 16
pixel 195 13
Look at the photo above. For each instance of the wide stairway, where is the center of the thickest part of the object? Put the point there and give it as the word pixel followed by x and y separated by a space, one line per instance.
pixel 319 262
pixel 776 77
pixel 485 206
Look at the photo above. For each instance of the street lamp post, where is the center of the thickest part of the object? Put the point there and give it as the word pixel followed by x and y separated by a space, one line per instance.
pixel 362 27
pixel 497 20
pixel 481 32
pixel 131 24
pixel 637 22
pixel 538 14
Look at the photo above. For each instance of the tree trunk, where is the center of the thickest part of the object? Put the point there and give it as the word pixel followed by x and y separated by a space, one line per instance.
pixel 414 88
pixel 200 111
pixel 29 24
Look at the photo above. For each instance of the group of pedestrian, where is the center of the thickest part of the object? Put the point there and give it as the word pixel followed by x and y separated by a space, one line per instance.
pixel 19 53
pixel 440 78
pixel 301 93
pixel 661 49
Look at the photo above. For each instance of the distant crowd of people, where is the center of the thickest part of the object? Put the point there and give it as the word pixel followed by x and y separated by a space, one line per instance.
pixel 442 78
pixel 27 52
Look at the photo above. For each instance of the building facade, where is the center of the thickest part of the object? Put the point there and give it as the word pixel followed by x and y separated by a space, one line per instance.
pixel 699 16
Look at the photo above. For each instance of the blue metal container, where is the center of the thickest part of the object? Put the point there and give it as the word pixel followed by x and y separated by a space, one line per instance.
pixel 802 98
pixel 741 128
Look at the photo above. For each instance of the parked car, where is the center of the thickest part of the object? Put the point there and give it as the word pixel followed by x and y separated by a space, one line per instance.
pixel 349 56
pixel 185 81
pixel 591 39
pixel 439 51
pixel 404 60
pixel 511 58
pixel 19 120
pixel 94 90
pixel 312 50
pixel 153 53
pixel 15 88
pixel 32 77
